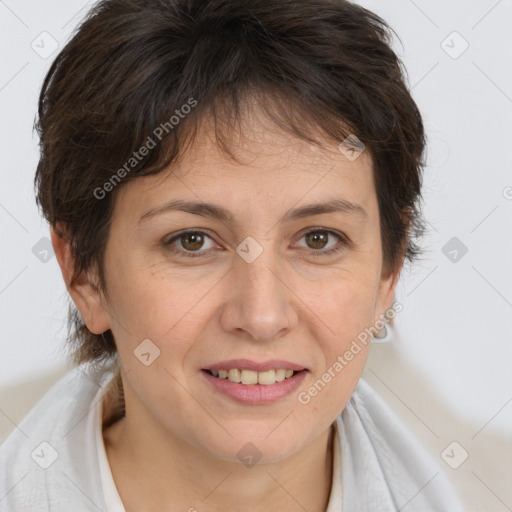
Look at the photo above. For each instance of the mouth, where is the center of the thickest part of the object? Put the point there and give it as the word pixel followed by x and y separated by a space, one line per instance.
pixel 254 383
pixel 251 377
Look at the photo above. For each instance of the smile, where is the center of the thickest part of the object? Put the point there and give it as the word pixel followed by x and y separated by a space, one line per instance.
pixel 253 387
pixel 248 377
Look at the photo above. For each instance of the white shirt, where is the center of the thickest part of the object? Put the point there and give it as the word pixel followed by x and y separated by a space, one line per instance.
pixel 56 461
pixel 111 496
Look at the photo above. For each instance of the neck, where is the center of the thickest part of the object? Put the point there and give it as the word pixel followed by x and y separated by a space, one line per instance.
pixel 150 468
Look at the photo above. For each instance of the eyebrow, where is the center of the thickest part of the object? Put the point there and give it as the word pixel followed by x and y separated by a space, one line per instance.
pixel 217 212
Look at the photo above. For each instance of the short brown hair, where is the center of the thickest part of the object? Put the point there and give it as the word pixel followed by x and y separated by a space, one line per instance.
pixel 313 64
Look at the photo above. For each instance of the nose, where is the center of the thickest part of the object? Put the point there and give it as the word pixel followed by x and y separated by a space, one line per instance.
pixel 259 303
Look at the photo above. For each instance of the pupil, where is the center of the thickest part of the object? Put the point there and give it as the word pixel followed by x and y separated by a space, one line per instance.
pixel 193 240
pixel 318 238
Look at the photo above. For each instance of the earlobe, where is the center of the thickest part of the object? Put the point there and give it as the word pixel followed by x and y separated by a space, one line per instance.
pixel 386 293
pixel 85 295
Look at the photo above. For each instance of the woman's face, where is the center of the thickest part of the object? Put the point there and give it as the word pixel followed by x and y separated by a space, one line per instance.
pixel 269 283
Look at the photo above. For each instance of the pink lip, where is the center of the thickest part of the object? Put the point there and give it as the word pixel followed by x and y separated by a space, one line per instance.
pixel 263 366
pixel 255 394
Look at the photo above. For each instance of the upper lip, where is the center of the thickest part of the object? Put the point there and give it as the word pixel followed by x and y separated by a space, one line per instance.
pixel 261 366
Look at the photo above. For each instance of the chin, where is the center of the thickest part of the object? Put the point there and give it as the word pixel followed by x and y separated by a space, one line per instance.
pixel 255 448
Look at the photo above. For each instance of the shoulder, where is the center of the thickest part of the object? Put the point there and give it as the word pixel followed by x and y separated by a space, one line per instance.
pixel 43 460
pixel 384 463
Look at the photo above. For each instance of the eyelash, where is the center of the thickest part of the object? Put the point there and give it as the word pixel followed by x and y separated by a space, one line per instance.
pixel 344 242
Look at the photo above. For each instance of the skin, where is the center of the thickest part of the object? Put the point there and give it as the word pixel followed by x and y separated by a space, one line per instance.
pixel 179 440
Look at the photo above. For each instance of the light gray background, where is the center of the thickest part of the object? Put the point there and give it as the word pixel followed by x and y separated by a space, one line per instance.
pixel 447 370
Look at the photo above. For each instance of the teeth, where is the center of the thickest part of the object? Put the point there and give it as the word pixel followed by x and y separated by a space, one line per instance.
pixel 280 374
pixel 234 376
pixel 252 377
pixel 267 378
pixel 249 377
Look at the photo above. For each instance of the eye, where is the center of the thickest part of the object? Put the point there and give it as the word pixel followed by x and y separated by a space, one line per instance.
pixel 191 243
pixel 318 240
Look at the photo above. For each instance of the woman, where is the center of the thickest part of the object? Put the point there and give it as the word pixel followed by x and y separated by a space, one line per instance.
pixel 232 190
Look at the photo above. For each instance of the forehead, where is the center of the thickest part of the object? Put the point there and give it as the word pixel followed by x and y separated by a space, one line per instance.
pixel 259 139
pixel 269 162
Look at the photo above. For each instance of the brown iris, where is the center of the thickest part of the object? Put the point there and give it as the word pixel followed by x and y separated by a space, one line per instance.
pixel 192 241
pixel 317 239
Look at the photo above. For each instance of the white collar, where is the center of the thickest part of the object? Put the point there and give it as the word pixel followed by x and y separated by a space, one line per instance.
pixel 111 496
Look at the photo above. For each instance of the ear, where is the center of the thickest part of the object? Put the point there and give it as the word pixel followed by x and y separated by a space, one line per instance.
pixel 86 297
pixel 386 292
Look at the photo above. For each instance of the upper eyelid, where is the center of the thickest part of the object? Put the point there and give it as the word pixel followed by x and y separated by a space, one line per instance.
pixel 306 231
pixel 342 237
pixel 176 236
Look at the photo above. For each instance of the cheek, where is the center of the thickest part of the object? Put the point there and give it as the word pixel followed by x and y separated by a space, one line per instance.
pixel 345 304
pixel 345 310
pixel 150 300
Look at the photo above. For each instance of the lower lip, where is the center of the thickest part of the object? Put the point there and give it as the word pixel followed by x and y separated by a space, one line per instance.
pixel 256 394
